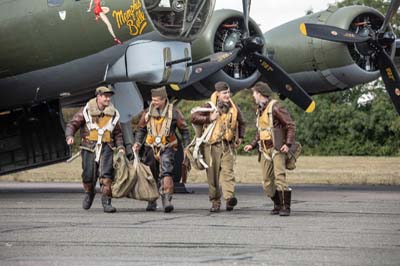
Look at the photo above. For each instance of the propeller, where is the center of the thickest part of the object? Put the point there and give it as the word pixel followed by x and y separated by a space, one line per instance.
pixel 394 5
pixel 331 33
pixel 370 43
pixel 246 11
pixel 390 77
pixel 207 66
pixel 278 79
pixel 247 47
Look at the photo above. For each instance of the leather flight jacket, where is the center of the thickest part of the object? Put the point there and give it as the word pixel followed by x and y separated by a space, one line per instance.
pixel 281 119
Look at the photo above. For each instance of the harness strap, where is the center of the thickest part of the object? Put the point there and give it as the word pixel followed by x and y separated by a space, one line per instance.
pixel 205 136
pixel 166 126
pixel 270 158
pixel 271 120
pixel 100 131
pixel 158 148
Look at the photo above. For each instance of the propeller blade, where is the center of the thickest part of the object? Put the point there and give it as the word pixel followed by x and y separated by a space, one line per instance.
pixel 246 11
pixel 282 82
pixel 331 33
pixel 202 70
pixel 390 77
pixel 394 5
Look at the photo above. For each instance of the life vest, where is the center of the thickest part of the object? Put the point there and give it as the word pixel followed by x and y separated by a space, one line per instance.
pixel 101 122
pixel 100 131
pixel 159 135
pixel 264 122
pixel 202 135
pixel 225 125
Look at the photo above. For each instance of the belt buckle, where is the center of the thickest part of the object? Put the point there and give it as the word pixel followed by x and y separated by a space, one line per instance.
pixel 157 140
pixel 100 131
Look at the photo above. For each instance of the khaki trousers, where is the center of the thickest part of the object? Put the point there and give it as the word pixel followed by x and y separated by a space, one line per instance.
pixel 219 157
pixel 273 167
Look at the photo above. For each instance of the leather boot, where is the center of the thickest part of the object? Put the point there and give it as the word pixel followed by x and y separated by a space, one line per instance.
pixel 215 206
pixel 285 198
pixel 89 195
pixel 231 203
pixel 167 190
pixel 106 198
pixel 166 202
pixel 277 203
pixel 151 206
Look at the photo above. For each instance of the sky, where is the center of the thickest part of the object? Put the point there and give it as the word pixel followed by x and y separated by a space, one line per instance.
pixel 272 13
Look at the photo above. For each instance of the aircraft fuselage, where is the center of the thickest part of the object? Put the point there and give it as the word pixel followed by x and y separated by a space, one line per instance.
pixel 35 35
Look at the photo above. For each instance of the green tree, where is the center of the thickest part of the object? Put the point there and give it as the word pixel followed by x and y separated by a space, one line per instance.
pixel 341 125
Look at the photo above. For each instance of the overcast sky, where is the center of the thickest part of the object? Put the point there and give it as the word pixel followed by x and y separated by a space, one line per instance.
pixel 271 13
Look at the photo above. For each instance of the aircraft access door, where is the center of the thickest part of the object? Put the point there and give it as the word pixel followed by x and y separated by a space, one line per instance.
pixel 32 136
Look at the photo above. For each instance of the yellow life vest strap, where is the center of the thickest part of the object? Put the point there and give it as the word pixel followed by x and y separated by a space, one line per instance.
pixel 164 131
pixel 271 119
pixel 268 109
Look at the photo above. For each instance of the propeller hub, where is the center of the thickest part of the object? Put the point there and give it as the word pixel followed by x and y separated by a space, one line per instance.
pixel 253 44
pixel 231 41
pixel 386 38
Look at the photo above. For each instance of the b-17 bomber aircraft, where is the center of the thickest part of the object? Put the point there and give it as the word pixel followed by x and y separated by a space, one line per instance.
pixel 54 53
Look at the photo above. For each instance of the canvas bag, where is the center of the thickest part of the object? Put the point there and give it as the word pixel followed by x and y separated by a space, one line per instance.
pixel 124 176
pixel 145 187
pixel 293 155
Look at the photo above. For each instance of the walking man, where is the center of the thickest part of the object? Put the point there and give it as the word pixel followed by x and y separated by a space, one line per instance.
pixel 219 151
pixel 100 134
pixel 273 148
pixel 156 130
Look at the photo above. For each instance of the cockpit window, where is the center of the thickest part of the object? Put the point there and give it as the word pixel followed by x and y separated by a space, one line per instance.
pixel 182 19
pixel 52 3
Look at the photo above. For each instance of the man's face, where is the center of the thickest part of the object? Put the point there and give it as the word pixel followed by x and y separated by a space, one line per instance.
pixel 224 96
pixel 103 100
pixel 158 102
pixel 256 96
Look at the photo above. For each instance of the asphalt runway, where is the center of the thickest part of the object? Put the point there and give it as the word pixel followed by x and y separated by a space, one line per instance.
pixel 43 224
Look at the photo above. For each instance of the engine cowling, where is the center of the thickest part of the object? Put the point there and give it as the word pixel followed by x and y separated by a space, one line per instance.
pixel 323 66
pixel 223 33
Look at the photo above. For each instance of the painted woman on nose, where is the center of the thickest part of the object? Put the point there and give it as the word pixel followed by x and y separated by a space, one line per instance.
pixel 101 12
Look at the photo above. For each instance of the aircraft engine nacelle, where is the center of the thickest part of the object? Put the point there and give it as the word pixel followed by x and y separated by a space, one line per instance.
pixel 224 33
pixel 323 66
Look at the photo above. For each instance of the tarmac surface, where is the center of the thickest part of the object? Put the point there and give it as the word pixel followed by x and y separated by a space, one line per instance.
pixel 44 224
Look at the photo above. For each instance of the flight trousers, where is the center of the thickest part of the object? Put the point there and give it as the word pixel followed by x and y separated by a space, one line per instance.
pixel 273 168
pixel 220 175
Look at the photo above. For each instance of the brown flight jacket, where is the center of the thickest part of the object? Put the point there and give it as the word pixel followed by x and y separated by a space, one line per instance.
pixel 78 122
pixel 203 118
pixel 281 119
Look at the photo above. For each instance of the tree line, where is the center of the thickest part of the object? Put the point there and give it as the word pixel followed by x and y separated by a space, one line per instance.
pixel 340 124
